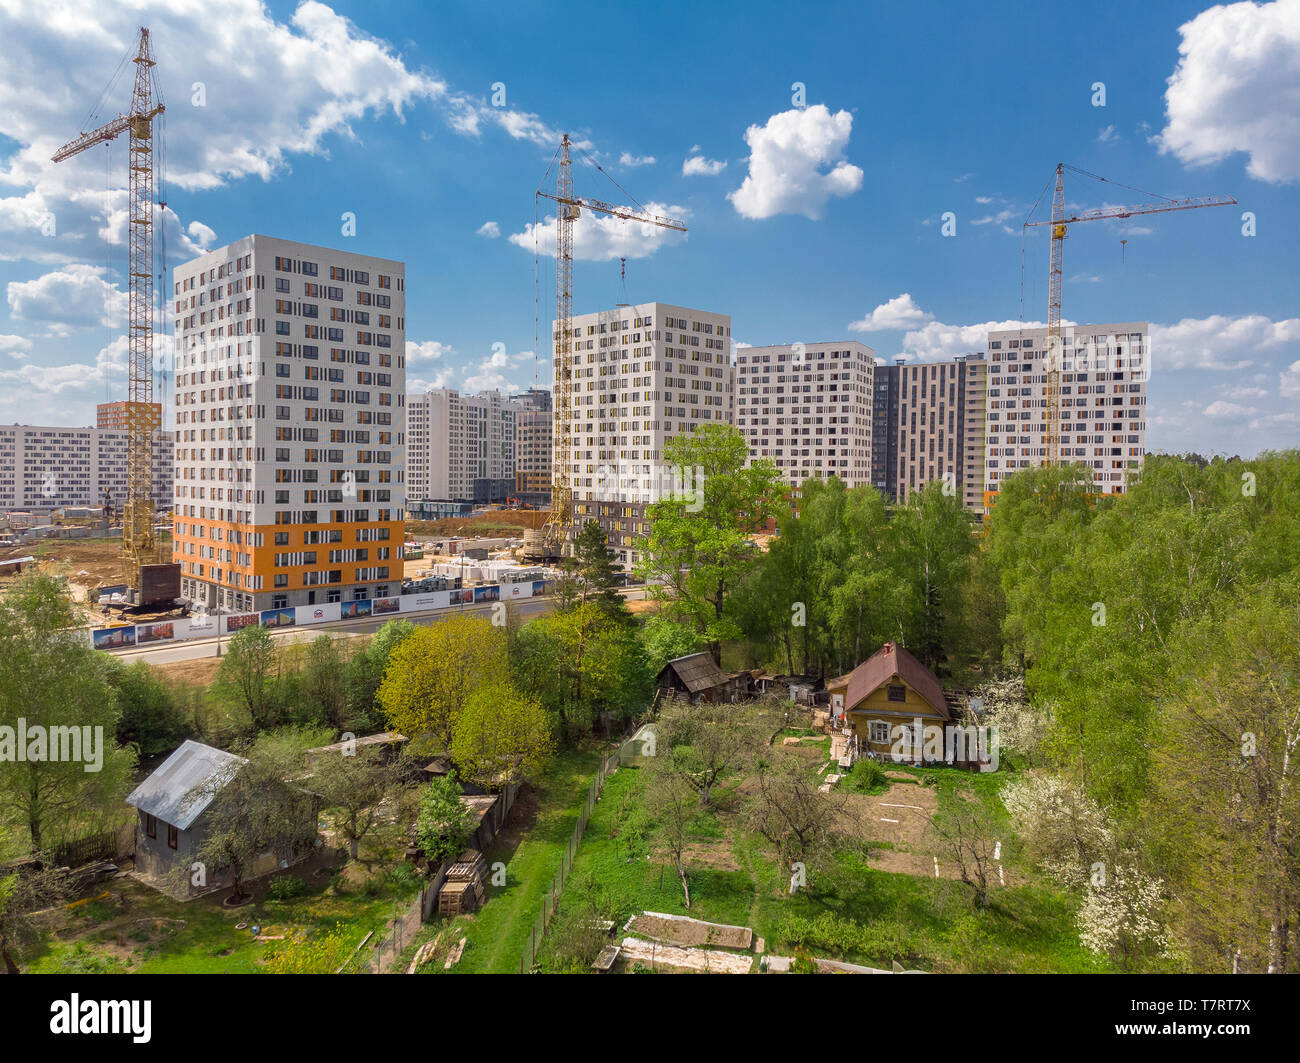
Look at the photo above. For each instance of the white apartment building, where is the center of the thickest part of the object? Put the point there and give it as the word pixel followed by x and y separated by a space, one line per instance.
pixel 641 375
pixel 454 439
pixel 49 467
pixel 1104 370
pixel 290 421
pixel 808 408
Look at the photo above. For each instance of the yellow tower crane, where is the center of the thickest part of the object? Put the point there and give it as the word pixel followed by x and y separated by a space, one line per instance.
pixel 1060 223
pixel 568 208
pixel 139 544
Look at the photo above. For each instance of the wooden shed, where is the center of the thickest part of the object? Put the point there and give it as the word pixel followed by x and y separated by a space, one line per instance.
pixel 698 677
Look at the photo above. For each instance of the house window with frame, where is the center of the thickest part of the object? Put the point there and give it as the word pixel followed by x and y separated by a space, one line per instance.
pixel 897 692
pixel 879 731
pixel 150 826
pixel 173 837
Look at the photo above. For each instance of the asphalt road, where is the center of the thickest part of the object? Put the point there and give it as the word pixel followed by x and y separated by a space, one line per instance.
pixel 194 649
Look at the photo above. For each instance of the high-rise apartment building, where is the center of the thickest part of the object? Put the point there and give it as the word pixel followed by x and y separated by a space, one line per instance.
pixel 641 375
pixel 113 415
pixel 1104 370
pixel 455 441
pixel 50 467
pixel 808 408
pixel 290 422
pixel 940 428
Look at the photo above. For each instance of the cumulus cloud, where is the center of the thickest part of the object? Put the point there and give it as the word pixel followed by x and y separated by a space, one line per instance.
pixel 1221 410
pixel 797 164
pixel 1219 342
pixel 427 351
pixel 1237 89
pixel 699 166
pixel 631 161
pixel 900 312
pixel 1107 135
pixel 490 229
pixel 599 237
pixel 75 296
pixel 15 346
pixel 936 341
pixel 1289 381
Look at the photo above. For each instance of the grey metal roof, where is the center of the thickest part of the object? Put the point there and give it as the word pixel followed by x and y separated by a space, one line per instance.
pixel 697 671
pixel 164 794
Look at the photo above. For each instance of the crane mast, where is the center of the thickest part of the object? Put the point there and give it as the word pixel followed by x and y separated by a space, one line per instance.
pixel 1059 227
pixel 139 544
pixel 569 208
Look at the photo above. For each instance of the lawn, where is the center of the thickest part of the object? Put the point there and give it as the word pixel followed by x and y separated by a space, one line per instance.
pixel 850 910
pixel 532 849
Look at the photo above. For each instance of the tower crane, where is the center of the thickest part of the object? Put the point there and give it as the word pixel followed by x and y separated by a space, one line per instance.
pixel 568 209
pixel 139 544
pixel 1060 223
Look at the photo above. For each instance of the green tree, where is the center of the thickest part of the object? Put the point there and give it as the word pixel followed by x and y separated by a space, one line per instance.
pixel 150 718
pixel 444 825
pixel 664 640
pixel 247 675
pixel 432 672
pixel 55 688
pixel 352 784
pixel 595 574
pixel 699 547
pixel 501 736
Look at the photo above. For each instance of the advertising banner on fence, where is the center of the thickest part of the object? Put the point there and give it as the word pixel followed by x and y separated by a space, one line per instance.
pixel 277 618
pixel 317 614
pixel 380 606
pixel 419 603
pixel 240 620
pixel 112 638
pixel 198 627
pixel 160 632
pixel 356 610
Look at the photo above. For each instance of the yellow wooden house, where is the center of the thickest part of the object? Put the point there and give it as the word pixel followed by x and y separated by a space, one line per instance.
pixel 882 702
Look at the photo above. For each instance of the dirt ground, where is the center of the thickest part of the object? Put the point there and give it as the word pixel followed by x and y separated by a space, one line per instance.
pixel 515 520
pixel 912 836
pixel 691 932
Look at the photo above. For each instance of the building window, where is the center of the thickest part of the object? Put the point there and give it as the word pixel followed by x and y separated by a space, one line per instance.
pixel 879 731
pixel 173 836
pixel 150 826
pixel 897 692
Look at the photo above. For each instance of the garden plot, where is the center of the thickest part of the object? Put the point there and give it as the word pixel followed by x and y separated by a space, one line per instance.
pixel 681 930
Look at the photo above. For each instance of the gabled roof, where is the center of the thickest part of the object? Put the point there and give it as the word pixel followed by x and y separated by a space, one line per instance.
pixel 697 671
pixel 887 662
pixel 165 794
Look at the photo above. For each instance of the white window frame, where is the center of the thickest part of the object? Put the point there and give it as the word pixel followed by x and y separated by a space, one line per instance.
pixel 872 732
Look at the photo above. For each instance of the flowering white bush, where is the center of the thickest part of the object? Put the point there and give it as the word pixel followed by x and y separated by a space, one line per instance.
pixel 1064 830
pixel 1121 918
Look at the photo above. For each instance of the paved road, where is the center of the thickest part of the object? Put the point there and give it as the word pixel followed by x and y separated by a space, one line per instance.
pixel 194 649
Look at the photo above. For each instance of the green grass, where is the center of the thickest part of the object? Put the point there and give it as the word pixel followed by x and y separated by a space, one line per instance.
pixel 851 910
pixel 150 933
pixel 497 934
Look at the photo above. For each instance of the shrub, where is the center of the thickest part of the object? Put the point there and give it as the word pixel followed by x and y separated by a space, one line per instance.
pixel 868 777
pixel 285 888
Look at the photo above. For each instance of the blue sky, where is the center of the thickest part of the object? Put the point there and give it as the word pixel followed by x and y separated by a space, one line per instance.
pixel 826 214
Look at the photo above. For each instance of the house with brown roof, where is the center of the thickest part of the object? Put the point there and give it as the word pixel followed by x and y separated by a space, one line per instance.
pixel 697 677
pixel 883 700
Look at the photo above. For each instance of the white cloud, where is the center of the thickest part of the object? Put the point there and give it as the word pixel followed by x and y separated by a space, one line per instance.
pixel 796 164
pixel 45 394
pixel 631 161
pixel 1289 381
pixel 427 351
pixel 202 235
pixel 1219 342
pixel 1107 135
pixel 75 296
pixel 900 312
pixel 1237 88
pixel 15 346
pixel 490 229
pixel 599 237
pixel 1221 410
pixel 936 341
pixel 699 166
